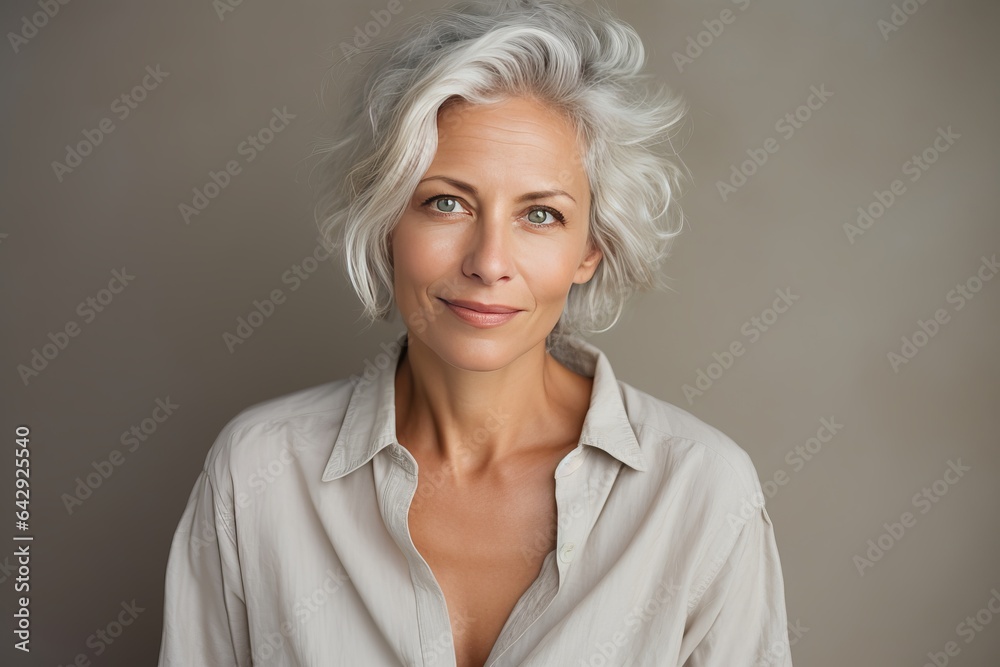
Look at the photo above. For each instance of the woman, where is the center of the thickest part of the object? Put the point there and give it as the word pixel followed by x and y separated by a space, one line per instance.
pixel 487 493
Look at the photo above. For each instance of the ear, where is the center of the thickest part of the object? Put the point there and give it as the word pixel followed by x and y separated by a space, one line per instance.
pixel 589 264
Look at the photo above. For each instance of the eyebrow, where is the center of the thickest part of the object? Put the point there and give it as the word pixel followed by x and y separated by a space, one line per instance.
pixel 528 196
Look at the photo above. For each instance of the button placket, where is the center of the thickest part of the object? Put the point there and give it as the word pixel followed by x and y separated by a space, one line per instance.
pixel 433 622
pixel 569 529
pixel 433 626
pixel 573 510
pixel 399 456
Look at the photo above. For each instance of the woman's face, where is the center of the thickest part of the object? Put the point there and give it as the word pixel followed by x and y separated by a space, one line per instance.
pixel 499 222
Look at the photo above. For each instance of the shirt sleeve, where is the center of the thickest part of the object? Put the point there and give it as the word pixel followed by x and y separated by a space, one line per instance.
pixel 741 618
pixel 204 612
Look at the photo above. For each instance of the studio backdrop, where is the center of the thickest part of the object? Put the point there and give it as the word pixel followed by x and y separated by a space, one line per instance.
pixel 834 304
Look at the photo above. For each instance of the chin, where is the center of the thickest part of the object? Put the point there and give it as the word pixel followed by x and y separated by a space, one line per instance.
pixel 478 350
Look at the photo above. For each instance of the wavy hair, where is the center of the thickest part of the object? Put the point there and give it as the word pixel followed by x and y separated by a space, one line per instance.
pixel 588 66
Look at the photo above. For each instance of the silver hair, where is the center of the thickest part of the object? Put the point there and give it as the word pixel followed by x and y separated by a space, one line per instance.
pixel 587 66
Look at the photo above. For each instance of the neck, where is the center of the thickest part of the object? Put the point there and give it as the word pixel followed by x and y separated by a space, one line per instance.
pixel 475 420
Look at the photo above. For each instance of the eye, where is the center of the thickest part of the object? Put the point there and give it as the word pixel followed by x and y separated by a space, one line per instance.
pixel 443 204
pixel 537 216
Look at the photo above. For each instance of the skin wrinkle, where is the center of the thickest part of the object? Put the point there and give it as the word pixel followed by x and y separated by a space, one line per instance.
pixel 523 198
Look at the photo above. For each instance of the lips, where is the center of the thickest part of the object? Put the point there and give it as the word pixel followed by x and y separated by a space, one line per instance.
pixel 481 315
pixel 482 307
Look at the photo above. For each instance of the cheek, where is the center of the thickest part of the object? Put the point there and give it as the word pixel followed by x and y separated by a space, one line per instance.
pixel 421 258
pixel 412 255
pixel 550 274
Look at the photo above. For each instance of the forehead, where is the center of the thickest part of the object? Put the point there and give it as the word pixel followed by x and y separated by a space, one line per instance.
pixel 521 133
pixel 517 110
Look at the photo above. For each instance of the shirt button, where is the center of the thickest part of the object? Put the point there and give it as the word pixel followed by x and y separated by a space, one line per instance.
pixel 569 464
pixel 566 553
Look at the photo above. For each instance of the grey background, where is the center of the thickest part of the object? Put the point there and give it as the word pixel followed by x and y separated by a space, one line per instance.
pixel 826 357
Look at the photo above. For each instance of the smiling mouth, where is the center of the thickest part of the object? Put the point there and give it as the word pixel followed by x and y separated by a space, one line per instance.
pixel 489 316
pixel 484 308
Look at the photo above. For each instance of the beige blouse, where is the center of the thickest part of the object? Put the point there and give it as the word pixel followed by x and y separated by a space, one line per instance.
pixel 294 547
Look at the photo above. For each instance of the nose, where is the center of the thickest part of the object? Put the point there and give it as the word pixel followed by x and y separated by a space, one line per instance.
pixel 488 256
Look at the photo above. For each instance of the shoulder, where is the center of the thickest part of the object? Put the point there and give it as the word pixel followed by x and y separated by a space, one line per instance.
pixel 676 443
pixel 302 419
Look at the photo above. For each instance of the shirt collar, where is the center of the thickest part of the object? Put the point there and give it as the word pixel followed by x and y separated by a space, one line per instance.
pixel 370 421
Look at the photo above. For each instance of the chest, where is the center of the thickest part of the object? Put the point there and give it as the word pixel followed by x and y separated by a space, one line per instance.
pixel 485 545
